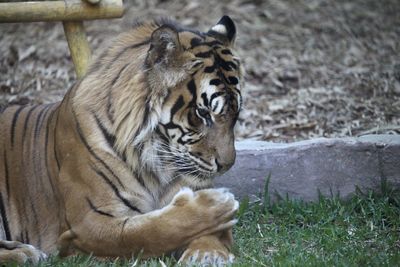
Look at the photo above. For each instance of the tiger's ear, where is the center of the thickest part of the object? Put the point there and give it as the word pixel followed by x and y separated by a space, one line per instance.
pixel 164 46
pixel 224 30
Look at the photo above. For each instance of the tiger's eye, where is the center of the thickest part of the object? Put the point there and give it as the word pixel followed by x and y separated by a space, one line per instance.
pixel 205 114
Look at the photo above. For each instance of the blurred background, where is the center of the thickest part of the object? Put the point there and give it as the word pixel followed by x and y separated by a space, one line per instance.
pixel 315 68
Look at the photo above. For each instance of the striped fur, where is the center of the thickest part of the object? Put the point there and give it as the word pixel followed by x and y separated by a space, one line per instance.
pixel 102 171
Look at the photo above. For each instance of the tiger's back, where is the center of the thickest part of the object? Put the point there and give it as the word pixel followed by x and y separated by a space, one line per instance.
pixel 28 203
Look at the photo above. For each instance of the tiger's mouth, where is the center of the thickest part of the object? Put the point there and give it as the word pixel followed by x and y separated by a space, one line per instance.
pixel 185 163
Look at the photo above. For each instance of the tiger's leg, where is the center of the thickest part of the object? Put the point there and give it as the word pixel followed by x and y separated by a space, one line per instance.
pixel 14 251
pixel 210 250
pixel 189 216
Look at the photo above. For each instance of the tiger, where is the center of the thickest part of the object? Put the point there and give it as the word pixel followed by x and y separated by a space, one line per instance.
pixel 124 164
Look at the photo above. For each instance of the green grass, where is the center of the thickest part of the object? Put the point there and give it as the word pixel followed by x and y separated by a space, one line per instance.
pixel 362 231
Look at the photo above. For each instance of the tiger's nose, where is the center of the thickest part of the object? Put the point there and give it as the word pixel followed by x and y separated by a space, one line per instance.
pixel 224 164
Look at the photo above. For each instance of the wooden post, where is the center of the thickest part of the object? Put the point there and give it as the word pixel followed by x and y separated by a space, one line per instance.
pixel 78 46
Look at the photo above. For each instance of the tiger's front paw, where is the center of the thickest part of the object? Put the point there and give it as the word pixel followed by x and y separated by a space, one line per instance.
pixel 17 252
pixel 207 251
pixel 205 257
pixel 211 210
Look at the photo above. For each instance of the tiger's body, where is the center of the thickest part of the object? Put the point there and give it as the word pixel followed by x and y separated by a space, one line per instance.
pixel 123 164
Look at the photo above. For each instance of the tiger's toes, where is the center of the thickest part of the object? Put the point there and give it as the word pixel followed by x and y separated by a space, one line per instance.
pixel 200 257
pixel 17 252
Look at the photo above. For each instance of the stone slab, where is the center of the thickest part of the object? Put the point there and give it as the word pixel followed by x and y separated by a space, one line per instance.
pixel 302 169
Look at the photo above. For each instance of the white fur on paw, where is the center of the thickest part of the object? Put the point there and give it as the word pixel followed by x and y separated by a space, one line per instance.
pixel 207 258
pixel 236 205
pixel 184 191
pixel 34 255
pixel 223 190
pixel 220 195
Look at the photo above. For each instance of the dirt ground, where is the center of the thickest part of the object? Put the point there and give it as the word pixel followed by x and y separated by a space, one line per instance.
pixel 315 68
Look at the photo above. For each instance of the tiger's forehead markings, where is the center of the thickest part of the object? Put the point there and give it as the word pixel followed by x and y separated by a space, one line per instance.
pixel 201 41
pixel 211 96
pixel 220 72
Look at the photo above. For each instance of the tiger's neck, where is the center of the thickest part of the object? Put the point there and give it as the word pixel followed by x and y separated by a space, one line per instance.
pixel 122 119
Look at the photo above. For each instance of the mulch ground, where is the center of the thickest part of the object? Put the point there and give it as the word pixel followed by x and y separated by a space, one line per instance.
pixel 314 68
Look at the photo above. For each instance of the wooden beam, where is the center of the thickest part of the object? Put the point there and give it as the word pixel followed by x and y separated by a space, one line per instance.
pixel 67 10
pixel 78 46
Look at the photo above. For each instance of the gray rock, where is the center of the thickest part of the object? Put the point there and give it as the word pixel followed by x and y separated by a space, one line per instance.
pixel 300 170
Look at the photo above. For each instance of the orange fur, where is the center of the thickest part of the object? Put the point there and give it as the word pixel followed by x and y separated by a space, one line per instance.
pixel 108 170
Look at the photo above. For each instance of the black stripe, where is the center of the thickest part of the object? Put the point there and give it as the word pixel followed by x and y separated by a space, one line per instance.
pixel 226 65
pixel 215 106
pixel 124 155
pixel 193 90
pixel 27 239
pixel 7 174
pixel 195 43
pixel 123 226
pixel 171 125
pixel 146 115
pixel 226 52
pixel 26 122
pixel 161 134
pixel 194 141
pixel 46 138
pixel 37 149
pixel 55 140
pixel 5 220
pixel 110 138
pixel 209 69
pixel 216 94
pixel 96 209
pixel 206 54
pixel 124 223
pixel 80 133
pixel 191 115
pixel 220 63
pixel 14 124
pixel 205 99
pixel 201 159
pixel 109 108
pixel 39 120
pixel 233 80
pixel 48 109
pixel 115 189
pixel 197 64
pixel 46 144
pixel 177 105
pixel 215 82
pixel 118 75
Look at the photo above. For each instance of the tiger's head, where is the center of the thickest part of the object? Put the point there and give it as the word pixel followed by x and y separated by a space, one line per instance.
pixel 204 78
